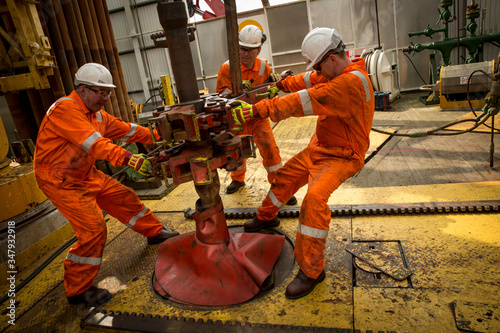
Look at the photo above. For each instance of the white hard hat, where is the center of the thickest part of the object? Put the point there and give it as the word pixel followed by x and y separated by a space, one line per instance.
pixel 251 36
pixel 318 42
pixel 93 74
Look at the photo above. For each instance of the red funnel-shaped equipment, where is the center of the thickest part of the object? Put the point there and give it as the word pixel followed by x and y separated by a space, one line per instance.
pixel 213 266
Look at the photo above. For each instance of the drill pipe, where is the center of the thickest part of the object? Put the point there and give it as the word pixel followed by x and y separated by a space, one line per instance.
pixel 173 19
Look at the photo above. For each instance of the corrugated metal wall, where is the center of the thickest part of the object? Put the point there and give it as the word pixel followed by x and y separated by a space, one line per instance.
pixel 285 26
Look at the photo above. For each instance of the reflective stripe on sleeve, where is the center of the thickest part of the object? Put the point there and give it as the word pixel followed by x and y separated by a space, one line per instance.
pixel 273 168
pixel 305 100
pixel 307 80
pixel 84 260
pixel 241 167
pixel 312 232
pixel 130 133
pixel 59 100
pixel 227 62
pixel 90 141
pixel 134 219
pixel 275 201
pixel 262 68
pixel 365 84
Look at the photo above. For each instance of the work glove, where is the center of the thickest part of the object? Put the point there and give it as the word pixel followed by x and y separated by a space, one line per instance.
pixel 138 162
pixel 247 85
pixel 286 73
pixel 273 89
pixel 274 77
pixel 243 112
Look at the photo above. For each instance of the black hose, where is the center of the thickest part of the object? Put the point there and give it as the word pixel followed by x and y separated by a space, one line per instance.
pixel 478 123
pixel 468 97
pixel 416 70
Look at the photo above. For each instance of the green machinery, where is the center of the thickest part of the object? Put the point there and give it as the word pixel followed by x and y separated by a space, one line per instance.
pixel 472 42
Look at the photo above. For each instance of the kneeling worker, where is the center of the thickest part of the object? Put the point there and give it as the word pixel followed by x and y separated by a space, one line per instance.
pixel 345 105
pixel 73 134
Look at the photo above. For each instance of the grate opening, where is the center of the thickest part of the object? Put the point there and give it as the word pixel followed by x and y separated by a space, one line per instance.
pixel 379 264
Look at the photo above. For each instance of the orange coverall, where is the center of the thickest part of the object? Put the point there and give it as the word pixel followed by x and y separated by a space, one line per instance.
pixel 301 81
pixel 259 128
pixel 345 106
pixel 70 139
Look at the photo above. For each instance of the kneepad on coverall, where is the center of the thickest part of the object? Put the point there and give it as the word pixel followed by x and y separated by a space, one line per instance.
pixel 345 106
pixel 69 141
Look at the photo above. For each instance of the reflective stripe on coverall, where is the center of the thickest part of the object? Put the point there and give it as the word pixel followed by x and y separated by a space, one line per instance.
pixel 69 141
pixel 259 128
pixel 301 81
pixel 345 106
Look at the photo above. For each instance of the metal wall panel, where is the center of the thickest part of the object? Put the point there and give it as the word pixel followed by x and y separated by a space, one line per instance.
pixel 121 31
pixel 339 17
pixel 114 4
pixel 157 65
pixel 414 16
pixel 131 71
pixel 148 22
pixel 364 16
pixel 211 36
pixel 287 24
pixel 488 24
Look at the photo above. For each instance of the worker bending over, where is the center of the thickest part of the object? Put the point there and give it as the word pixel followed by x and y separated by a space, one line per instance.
pixel 345 106
pixel 73 134
pixel 254 71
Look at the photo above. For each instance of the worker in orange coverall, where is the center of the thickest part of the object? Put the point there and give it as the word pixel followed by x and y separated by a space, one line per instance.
pixel 254 71
pixel 345 107
pixel 73 134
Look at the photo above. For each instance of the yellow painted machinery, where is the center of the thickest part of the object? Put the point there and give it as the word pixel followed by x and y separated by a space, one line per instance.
pixel 26 58
pixel 455 86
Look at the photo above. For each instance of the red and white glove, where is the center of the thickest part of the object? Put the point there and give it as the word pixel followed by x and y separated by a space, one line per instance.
pixel 138 162
pixel 243 112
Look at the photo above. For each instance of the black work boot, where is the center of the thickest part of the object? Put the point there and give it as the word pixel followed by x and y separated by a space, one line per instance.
pixel 91 297
pixel 234 186
pixel 302 285
pixel 292 201
pixel 166 233
pixel 256 224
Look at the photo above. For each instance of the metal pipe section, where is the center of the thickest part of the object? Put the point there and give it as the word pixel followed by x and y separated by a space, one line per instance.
pixel 91 35
pixel 123 106
pixel 174 19
pixel 66 39
pixel 58 47
pixel 112 102
pixel 73 29
pixel 233 47
pixel 81 30
pixel 23 121
pixel 121 78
